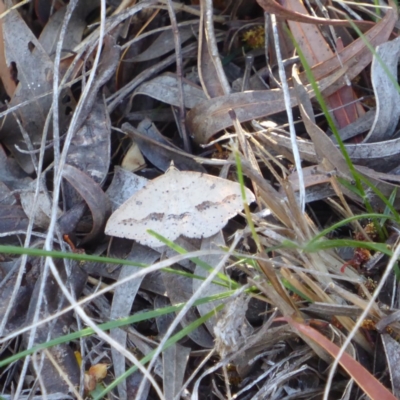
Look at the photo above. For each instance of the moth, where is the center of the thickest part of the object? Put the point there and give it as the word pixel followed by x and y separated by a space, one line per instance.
pixel 188 203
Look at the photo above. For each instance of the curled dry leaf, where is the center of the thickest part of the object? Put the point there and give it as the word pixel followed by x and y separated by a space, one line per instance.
pixel 386 93
pixel 94 197
pixel 75 29
pixel 211 116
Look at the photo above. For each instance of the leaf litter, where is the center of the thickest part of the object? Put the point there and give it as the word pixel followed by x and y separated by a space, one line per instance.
pixel 256 305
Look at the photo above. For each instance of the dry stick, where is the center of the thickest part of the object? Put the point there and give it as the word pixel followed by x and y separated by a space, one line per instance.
pixel 207 6
pixel 199 47
pixel 181 97
pixel 267 23
pixel 286 95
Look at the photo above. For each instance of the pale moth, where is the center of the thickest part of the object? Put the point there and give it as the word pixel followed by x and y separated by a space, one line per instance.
pixel 188 203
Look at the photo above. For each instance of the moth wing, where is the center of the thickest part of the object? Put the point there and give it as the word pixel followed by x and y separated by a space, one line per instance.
pixel 222 202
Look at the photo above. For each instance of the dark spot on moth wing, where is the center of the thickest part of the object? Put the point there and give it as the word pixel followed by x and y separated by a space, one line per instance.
pixel 154 217
pixel 178 217
pixel 138 202
pixel 150 217
pixel 205 205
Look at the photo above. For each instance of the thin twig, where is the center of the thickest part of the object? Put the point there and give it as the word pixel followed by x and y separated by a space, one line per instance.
pixel 181 96
pixel 286 94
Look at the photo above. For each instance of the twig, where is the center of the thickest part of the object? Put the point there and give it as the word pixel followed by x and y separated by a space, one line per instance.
pixel 286 94
pixel 181 97
pixel 209 32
